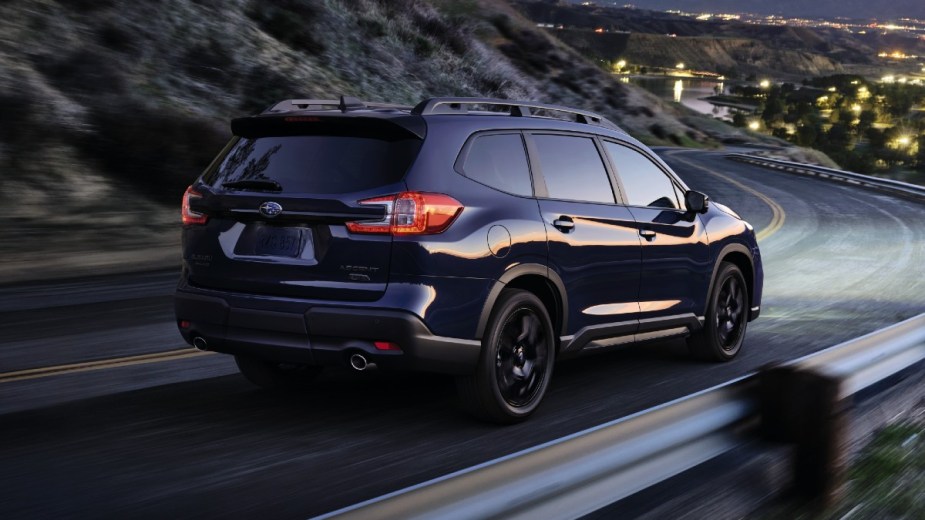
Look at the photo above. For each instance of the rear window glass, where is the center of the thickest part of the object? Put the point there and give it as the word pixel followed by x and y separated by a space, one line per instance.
pixel 316 163
pixel 500 161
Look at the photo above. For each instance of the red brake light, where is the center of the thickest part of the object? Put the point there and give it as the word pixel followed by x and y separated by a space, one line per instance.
pixel 410 213
pixel 386 345
pixel 189 216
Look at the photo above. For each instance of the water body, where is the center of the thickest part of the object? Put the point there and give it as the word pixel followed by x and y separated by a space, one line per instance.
pixel 688 92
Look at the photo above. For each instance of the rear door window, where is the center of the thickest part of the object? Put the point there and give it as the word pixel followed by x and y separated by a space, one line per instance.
pixel 573 169
pixel 316 163
pixel 499 161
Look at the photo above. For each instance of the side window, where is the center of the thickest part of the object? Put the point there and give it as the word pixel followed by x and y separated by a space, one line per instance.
pixel 573 169
pixel 644 182
pixel 500 161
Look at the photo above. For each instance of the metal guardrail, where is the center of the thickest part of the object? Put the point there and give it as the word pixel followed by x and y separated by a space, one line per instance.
pixel 863 362
pixel 589 470
pixel 583 472
pixel 891 186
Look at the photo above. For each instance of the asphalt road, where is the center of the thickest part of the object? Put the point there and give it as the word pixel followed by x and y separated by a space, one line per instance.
pixel 188 437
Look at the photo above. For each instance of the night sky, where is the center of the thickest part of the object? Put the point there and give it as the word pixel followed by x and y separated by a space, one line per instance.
pixel 881 9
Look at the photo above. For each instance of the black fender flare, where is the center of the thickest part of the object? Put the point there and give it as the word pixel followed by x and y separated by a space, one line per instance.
pixel 734 247
pixel 511 275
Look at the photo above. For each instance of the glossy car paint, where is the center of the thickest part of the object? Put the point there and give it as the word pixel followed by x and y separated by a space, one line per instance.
pixel 603 277
pixel 598 261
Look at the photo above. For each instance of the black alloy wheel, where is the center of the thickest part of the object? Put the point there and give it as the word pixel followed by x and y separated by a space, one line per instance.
pixel 730 313
pixel 521 357
pixel 727 317
pixel 516 361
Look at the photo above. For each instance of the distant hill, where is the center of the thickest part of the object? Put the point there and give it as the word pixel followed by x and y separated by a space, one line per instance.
pixel 733 48
pixel 877 9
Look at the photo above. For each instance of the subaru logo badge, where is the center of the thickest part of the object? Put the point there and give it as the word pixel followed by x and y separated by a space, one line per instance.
pixel 270 209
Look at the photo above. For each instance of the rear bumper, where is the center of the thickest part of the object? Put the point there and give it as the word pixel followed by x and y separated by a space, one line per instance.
pixel 322 335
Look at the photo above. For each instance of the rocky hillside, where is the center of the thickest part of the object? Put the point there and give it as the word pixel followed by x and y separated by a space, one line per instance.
pixel 109 109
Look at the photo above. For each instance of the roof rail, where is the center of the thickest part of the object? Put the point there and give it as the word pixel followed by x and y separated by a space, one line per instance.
pixel 344 104
pixel 458 105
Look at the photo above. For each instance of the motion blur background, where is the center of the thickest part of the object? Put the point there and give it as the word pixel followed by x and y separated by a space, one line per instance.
pixel 110 109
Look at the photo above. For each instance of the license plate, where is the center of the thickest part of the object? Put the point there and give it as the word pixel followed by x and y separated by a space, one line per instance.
pixel 274 241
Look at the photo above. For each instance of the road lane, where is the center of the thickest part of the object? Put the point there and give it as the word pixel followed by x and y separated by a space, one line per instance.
pixel 845 262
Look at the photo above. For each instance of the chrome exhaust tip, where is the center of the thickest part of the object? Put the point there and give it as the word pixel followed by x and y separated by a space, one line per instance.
pixel 359 362
pixel 200 343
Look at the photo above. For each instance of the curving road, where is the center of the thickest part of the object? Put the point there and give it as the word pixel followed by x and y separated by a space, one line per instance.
pixel 91 427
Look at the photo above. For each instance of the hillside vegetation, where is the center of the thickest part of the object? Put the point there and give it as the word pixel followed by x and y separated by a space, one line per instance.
pixel 110 109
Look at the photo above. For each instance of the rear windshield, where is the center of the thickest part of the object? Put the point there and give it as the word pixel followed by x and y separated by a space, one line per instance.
pixel 316 163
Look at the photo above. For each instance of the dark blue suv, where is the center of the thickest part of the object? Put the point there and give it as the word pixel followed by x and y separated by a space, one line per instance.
pixel 481 238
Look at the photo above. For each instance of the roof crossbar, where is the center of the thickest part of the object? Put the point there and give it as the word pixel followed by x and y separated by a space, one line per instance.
pixel 460 105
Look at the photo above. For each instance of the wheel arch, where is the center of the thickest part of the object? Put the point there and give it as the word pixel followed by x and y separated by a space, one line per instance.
pixel 740 256
pixel 538 280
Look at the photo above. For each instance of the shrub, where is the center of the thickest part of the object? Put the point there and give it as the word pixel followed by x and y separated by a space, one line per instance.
pixel 288 21
pixel 84 71
pixel 115 37
pixel 15 111
pixel 658 131
pixel 263 87
pixel 159 151
pixel 210 62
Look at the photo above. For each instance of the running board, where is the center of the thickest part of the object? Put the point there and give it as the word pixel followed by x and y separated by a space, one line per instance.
pixel 627 332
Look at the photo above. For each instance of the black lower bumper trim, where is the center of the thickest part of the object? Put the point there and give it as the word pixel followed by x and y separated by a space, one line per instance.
pixel 324 335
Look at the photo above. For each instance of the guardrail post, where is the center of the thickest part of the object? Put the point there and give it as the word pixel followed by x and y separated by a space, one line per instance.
pixel 803 408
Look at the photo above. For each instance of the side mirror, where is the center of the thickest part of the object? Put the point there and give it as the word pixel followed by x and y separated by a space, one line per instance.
pixel 696 202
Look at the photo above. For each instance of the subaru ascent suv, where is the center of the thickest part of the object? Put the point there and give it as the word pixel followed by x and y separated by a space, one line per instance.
pixel 480 238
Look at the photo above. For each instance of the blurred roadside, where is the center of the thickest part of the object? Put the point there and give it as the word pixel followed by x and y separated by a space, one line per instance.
pixel 110 109
pixel 25 267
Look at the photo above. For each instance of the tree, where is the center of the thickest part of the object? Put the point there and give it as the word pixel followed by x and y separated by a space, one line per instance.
pixel 866 120
pixel 772 108
pixel 839 136
pixel 920 157
pixel 807 135
pixel 739 119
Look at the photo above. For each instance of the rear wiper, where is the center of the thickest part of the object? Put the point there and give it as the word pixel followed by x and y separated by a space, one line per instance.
pixel 254 184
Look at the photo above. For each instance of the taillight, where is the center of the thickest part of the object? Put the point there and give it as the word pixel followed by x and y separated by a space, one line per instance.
pixel 410 213
pixel 386 345
pixel 189 216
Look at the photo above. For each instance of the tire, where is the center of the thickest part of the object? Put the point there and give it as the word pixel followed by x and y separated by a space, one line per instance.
pixel 273 375
pixel 726 319
pixel 518 352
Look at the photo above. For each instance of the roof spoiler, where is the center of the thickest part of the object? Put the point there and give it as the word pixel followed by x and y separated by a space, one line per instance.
pixel 344 104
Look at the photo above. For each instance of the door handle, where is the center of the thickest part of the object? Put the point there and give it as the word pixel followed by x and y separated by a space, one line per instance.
pixel 564 224
pixel 647 234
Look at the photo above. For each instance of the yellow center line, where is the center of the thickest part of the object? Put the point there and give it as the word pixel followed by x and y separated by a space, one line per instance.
pixel 35 373
pixel 778 216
